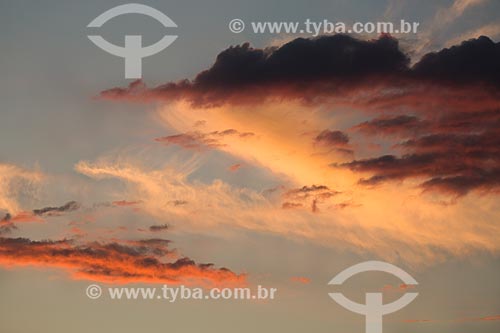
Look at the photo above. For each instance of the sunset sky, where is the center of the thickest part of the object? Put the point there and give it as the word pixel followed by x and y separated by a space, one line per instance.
pixel 250 159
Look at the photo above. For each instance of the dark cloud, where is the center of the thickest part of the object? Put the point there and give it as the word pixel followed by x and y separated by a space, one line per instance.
pixel 337 56
pixel 158 228
pixel 244 74
pixel 7 217
pixel 332 138
pixel 68 207
pixel 309 189
pixel 389 167
pixel 463 183
pixel 478 120
pixel 401 124
pixel 475 60
pixel 467 144
pixel 329 141
pixel 452 150
pixel 452 163
pixel 314 68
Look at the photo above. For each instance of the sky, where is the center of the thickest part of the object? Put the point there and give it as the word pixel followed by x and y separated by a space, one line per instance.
pixel 246 159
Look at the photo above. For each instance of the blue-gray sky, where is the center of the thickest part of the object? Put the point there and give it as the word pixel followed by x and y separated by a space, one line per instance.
pixel 249 202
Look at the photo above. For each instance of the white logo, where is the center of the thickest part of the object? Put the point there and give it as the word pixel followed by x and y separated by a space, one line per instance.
pixel 133 52
pixel 374 308
pixel 236 26
pixel 93 291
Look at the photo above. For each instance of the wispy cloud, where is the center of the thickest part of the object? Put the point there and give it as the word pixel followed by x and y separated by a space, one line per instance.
pixel 316 216
pixel 15 181
pixel 491 30
pixel 431 38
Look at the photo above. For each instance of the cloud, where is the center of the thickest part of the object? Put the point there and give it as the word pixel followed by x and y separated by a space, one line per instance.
pixel 456 320
pixel 158 228
pixel 368 218
pixel 146 261
pixel 308 196
pixel 397 289
pixel 6 227
pixel 189 141
pixel 92 255
pixel 430 38
pixel 490 318
pixel 332 138
pixel 492 30
pixel 37 215
pixel 167 193
pixel 313 214
pixel 452 163
pixel 391 125
pixel 475 60
pixel 22 217
pixel 294 68
pixel 313 70
pixel 294 118
pixel 291 205
pixel 199 141
pixel 235 167
pixel 333 141
pixel 14 182
pixel 337 56
pixel 125 203
pixel 50 211
pixel 300 279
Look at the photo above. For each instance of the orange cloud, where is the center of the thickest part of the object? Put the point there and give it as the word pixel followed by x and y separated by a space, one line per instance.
pixel 317 134
pixel 115 262
pixel 300 279
pixel 393 217
pixel 466 319
pixel 235 167
pixel 490 318
pixel 24 217
pixel 399 288
pixel 475 319
pixel 125 203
